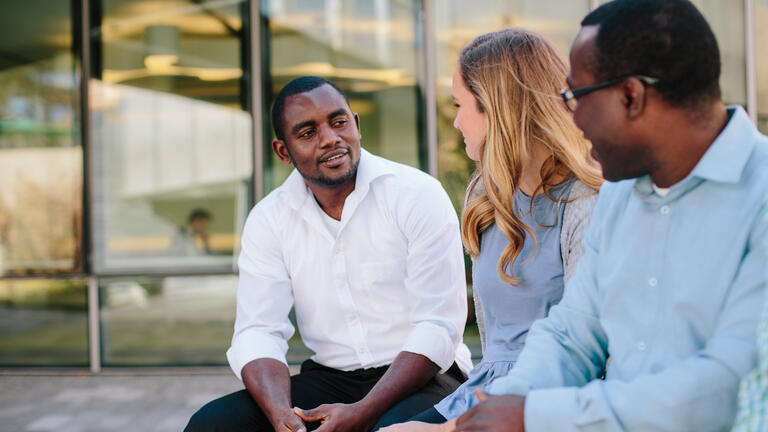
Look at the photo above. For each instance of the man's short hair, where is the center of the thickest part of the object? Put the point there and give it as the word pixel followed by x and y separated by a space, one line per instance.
pixel 665 39
pixel 298 85
pixel 198 213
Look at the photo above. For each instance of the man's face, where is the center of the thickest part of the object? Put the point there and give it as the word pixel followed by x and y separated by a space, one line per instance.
pixel 602 116
pixel 322 137
pixel 200 225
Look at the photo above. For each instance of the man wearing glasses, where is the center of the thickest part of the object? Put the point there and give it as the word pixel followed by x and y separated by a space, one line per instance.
pixel 674 272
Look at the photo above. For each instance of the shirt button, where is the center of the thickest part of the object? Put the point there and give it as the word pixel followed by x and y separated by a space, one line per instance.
pixel 653 282
pixel 664 210
pixel 641 346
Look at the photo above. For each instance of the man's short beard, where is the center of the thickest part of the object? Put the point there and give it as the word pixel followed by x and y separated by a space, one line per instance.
pixel 325 181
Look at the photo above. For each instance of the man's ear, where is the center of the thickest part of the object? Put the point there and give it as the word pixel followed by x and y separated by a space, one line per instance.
pixel 634 97
pixel 280 149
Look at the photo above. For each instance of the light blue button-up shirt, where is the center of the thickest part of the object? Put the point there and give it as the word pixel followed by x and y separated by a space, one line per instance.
pixel 671 288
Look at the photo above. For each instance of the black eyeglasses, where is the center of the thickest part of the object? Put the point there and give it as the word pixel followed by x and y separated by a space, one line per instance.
pixel 571 96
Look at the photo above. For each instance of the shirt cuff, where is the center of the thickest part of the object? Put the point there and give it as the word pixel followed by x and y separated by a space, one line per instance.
pixel 508 385
pixel 433 342
pixel 249 346
pixel 550 409
pixel 568 409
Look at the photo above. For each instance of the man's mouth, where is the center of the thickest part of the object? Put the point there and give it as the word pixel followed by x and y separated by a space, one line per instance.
pixel 334 158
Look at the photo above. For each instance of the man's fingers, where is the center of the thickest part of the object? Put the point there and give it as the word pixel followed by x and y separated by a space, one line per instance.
pixel 312 415
pixel 481 395
pixel 294 424
pixel 467 425
pixel 325 427
pixel 411 426
pixel 462 419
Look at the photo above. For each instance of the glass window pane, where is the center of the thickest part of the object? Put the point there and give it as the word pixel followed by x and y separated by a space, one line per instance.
pixel 171 137
pixel 456 24
pixel 761 48
pixel 727 22
pixel 171 321
pixel 369 49
pixel 167 321
pixel 40 152
pixel 43 322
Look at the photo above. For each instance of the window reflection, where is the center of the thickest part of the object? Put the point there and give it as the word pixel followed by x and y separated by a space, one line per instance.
pixel 172 320
pixel 43 323
pixel 724 17
pixel 188 320
pixel 369 49
pixel 40 152
pixel 171 136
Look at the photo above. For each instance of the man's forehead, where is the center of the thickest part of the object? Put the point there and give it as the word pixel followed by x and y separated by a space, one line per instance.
pixel 585 34
pixel 582 54
pixel 320 100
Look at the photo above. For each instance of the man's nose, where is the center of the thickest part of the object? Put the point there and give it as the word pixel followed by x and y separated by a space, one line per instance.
pixel 328 136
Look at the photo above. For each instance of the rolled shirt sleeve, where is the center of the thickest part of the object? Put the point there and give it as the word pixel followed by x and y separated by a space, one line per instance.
pixel 435 280
pixel 264 297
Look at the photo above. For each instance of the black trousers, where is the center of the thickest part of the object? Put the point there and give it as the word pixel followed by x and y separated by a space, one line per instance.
pixel 431 415
pixel 316 385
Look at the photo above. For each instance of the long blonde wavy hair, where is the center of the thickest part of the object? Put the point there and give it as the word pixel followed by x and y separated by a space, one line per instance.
pixel 515 76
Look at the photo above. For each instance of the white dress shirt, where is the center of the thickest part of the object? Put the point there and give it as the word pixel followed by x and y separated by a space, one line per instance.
pixel 391 280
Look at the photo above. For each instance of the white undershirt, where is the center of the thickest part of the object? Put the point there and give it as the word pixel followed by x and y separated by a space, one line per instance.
pixel 332 224
pixel 660 191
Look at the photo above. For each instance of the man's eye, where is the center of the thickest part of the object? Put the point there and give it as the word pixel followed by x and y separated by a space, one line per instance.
pixel 456 105
pixel 340 122
pixel 306 133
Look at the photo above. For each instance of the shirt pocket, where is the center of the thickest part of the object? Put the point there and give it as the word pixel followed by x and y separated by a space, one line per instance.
pixel 384 284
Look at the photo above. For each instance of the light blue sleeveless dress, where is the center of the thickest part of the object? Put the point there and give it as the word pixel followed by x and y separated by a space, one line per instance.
pixel 509 311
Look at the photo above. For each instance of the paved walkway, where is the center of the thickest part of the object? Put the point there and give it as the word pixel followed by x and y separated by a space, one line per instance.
pixel 129 400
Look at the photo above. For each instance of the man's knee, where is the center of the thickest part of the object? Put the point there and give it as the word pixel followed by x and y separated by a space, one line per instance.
pixel 204 420
pixel 233 412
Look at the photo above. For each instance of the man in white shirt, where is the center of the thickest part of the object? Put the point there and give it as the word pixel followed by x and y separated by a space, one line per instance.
pixel 368 252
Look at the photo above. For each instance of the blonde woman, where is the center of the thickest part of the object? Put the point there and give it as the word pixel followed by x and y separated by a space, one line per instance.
pixel 529 203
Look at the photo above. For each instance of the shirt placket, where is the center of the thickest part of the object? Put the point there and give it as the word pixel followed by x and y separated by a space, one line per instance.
pixel 655 282
pixel 351 312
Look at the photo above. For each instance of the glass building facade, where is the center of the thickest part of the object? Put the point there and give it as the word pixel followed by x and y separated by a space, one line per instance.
pixel 134 139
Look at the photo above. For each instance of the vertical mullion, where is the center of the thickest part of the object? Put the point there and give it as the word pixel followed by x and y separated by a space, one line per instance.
pixel 84 41
pixel 430 102
pixel 257 133
pixel 94 327
pixel 749 51
pixel 94 339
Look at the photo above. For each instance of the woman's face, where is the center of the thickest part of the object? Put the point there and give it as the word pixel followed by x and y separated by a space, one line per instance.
pixel 469 120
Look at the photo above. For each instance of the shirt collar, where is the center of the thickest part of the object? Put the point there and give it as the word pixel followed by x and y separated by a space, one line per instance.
pixel 724 160
pixel 295 190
